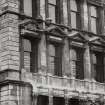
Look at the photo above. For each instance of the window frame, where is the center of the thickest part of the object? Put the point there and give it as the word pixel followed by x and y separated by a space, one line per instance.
pixel 90 17
pixel 77 13
pixel 35 8
pixel 100 18
pixel 58 11
pixel 56 72
pixel 33 57
pixel 96 65
pixel 55 7
pixel 76 49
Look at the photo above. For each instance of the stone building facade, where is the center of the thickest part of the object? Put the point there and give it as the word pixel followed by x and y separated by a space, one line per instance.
pixel 52 52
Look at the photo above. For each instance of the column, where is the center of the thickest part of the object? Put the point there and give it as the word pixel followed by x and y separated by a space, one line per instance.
pixel 35 99
pixel 65 12
pixel 42 9
pixel 50 100
pixel 84 13
pixel 66 101
pixel 66 63
pixel 87 65
pixel 42 55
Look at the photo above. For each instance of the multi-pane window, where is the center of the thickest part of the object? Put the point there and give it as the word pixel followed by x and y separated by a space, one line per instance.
pixel 55 58
pixel 52 9
pixel 30 55
pixel 93 19
pixel 77 62
pixel 98 66
pixel 75 14
pixel 29 7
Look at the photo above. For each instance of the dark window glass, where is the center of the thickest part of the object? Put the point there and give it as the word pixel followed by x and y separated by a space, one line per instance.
pixel 98 66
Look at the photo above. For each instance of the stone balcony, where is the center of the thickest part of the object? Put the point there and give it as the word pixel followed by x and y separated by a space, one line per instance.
pixel 63 85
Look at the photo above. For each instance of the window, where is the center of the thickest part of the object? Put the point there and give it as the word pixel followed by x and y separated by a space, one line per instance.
pixel 41 99
pixel 54 10
pixel 98 66
pixel 29 7
pixel 58 101
pixel 55 58
pixel 93 19
pixel 77 62
pixel 30 55
pixel 75 14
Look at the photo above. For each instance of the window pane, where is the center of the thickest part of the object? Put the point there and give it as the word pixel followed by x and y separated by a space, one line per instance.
pixel 73 5
pixel 28 7
pixel 27 62
pixel 51 50
pixel 73 54
pixel 93 11
pixel 52 2
pixel 52 64
pixel 27 45
pixel 94 58
pixel 52 12
pixel 73 20
pixel 52 57
pixel 93 25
